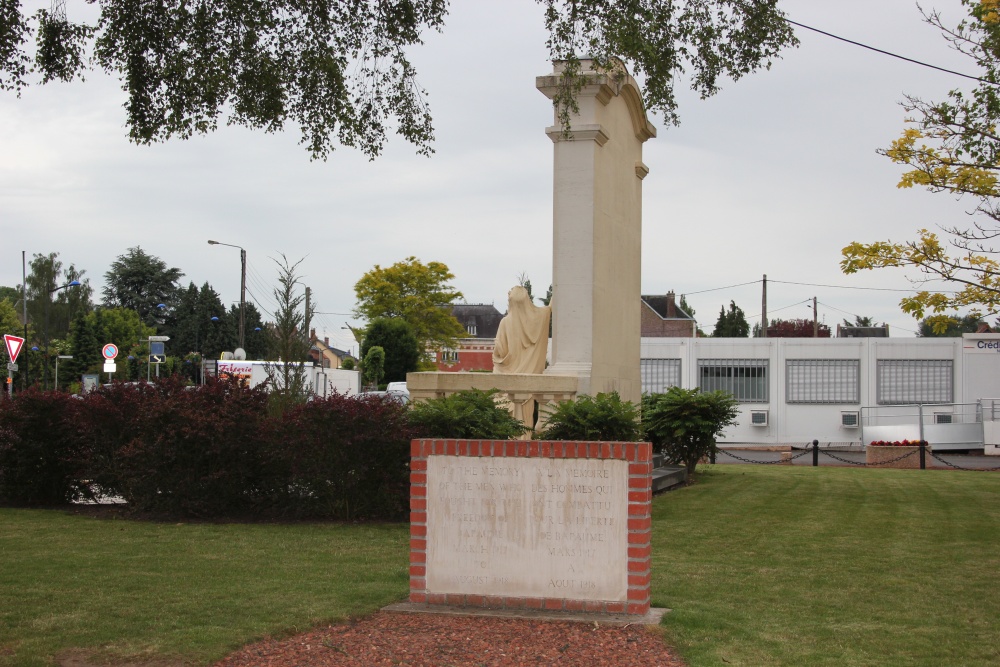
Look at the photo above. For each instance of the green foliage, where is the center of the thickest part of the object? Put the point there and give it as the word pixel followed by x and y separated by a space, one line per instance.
pixel 289 339
pixel 470 413
pixel 374 366
pixel 52 303
pixel 401 347
pixel 708 39
pixel 416 293
pixel 341 72
pixel 731 324
pixel 951 147
pixel 944 326
pixel 603 417
pixel 142 282
pixel 61 47
pixel 684 423
pixel 347 364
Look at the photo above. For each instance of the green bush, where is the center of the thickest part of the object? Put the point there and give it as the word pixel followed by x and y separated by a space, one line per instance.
pixel 682 424
pixel 604 417
pixel 471 414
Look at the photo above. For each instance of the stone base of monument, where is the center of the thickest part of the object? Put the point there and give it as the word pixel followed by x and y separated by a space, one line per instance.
pixel 652 617
pixel 531 526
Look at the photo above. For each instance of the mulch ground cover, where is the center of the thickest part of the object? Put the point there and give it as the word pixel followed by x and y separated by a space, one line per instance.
pixel 433 640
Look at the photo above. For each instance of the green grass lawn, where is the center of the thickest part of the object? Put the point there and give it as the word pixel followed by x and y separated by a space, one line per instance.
pixel 192 592
pixel 761 565
pixel 766 565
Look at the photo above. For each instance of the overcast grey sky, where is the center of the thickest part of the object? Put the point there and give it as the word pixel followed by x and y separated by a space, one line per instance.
pixel 772 176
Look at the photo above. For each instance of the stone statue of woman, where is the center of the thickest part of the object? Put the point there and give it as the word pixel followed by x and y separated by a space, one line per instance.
pixel 523 336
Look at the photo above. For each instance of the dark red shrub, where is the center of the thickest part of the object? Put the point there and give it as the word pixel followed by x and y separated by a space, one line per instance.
pixel 347 457
pixel 41 456
pixel 199 451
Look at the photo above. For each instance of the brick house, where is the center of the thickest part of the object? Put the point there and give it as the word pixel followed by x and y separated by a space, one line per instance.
pixel 323 354
pixel 663 318
pixel 475 353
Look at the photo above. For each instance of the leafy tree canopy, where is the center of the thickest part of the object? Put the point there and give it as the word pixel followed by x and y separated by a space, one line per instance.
pixel 731 324
pixel 793 329
pixel 400 347
pixel 941 326
pixel 340 71
pixel 951 146
pixel 415 292
pixel 142 282
pixel 52 302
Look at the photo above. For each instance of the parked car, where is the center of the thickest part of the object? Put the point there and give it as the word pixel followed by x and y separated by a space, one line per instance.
pixel 398 396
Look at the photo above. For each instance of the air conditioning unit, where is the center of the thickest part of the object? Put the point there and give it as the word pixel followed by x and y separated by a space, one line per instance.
pixel 943 418
pixel 758 417
pixel 850 418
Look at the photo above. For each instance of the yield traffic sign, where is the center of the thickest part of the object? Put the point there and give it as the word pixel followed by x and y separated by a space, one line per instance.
pixel 14 345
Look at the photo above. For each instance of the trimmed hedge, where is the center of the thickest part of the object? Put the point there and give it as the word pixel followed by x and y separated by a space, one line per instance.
pixel 213 451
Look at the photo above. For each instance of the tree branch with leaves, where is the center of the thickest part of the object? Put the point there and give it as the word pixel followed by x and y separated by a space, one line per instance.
pixel 951 147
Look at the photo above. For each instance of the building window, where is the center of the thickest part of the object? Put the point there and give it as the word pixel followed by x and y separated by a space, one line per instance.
pixel 471 328
pixel 823 381
pixel 449 356
pixel 658 375
pixel 902 381
pixel 745 379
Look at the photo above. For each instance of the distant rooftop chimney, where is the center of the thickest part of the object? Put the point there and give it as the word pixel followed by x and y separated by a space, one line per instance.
pixel 671 305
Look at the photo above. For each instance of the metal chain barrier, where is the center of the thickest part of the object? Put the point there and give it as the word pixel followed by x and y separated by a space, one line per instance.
pixel 871 465
pixel 956 467
pixel 766 463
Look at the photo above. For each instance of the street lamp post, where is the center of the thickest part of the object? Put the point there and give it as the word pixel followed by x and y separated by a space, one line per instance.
pixel 48 303
pixel 243 283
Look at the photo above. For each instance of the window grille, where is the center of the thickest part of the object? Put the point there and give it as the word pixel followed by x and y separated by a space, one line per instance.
pixel 658 375
pixel 822 381
pixel 745 379
pixel 902 381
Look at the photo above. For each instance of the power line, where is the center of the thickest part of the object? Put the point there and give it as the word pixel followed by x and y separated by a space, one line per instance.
pixel 890 53
pixel 716 289
pixel 872 289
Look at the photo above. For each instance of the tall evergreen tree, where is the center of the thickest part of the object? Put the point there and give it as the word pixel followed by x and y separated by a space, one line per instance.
pixel 400 346
pixel 731 324
pixel 142 282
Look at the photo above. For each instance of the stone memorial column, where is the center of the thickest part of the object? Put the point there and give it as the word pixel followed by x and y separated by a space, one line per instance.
pixel 597 229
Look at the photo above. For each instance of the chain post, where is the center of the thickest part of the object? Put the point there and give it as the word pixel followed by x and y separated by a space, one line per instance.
pixel 815 453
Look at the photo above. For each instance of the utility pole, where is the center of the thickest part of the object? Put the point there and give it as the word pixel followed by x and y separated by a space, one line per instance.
pixel 763 310
pixel 815 320
pixel 243 297
pixel 308 316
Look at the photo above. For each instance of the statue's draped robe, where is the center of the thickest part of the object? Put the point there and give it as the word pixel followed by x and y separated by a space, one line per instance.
pixel 523 337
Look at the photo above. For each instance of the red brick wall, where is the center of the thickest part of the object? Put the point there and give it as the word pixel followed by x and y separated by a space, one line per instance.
pixel 653 326
pixel 637 454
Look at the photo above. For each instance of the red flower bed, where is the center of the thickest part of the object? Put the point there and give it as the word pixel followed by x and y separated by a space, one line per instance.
pixel 897 443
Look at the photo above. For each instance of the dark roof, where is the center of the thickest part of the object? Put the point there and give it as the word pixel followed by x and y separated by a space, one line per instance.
pixel 658 302
pixel 483 316
pixel 862 332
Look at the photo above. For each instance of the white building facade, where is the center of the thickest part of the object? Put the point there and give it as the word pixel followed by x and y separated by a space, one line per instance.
pixel 794 390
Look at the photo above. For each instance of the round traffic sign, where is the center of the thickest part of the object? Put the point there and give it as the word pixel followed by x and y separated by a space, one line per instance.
pixel 110 351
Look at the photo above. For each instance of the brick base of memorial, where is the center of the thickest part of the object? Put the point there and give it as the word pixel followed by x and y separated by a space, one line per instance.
pixel 559 526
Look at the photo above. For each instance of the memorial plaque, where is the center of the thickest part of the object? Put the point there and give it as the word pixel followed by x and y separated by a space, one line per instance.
pixel 530 527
